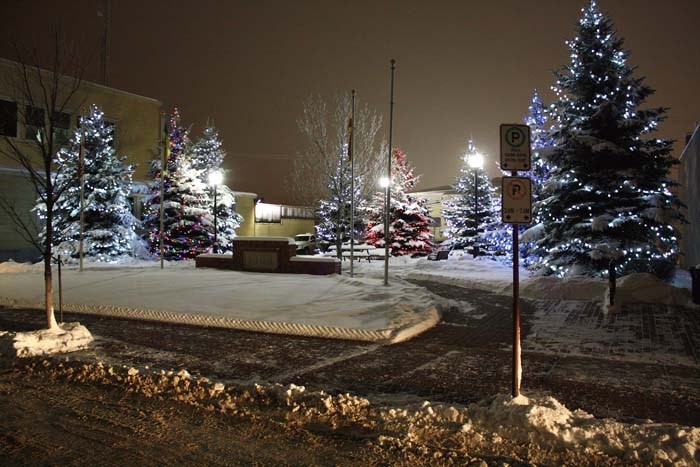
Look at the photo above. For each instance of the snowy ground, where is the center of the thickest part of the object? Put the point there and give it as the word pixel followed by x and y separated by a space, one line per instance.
pixel 326 306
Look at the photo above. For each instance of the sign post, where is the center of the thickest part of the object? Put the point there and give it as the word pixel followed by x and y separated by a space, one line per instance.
pixel 516 208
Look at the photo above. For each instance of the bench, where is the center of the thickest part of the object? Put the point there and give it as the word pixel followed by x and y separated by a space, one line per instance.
pixel 439 255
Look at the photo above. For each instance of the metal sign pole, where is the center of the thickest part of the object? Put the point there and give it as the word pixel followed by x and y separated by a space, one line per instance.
pixel 387 204
pixel 517 365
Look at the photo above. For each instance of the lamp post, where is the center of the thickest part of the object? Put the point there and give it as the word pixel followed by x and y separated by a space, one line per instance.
pixel 215 179
pixel 476 161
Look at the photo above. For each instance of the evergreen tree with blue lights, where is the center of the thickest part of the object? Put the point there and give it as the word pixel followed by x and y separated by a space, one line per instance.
pixel 186 226
pixel 409 217
pixel 539 139
pixel 608 200
pixel 471 211
pixel 109 227
pixel 207 156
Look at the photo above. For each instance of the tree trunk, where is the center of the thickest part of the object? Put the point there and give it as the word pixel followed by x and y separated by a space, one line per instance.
pixel 48 281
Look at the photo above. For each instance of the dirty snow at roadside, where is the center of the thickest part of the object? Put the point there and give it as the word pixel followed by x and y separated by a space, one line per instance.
pixel 505 426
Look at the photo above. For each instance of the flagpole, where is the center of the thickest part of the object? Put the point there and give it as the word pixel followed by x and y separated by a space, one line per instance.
pixel 163 170
pixel 81 165
pixel 388 174
pixel 352 186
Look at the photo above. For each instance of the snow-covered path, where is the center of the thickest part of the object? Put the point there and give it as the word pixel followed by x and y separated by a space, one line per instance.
pixel 324 306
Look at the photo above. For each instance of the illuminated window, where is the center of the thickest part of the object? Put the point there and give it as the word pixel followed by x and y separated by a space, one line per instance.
pixel 268 213
pixel 8 118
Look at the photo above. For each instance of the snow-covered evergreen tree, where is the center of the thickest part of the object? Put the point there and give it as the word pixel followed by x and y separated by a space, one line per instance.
pixel 109 233
pixel 471 211
pixel 409 220
pixel 539 139
pixel 186 226
pixel 609 195
pixel 333 212
pixel 207 156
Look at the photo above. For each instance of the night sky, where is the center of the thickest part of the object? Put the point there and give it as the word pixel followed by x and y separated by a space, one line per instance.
pixel 463 67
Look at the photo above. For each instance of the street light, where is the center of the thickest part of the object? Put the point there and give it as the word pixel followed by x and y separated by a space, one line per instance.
pixel 476 161
pixel 215 179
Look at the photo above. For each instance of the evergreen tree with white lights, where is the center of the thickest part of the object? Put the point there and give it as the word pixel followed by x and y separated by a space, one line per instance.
pixel 186 225
pixel 108 233
pixel 333 212
pixel 471 211
pixel 207 156
pixel 539 139
pixel 608 198
pixel 409 220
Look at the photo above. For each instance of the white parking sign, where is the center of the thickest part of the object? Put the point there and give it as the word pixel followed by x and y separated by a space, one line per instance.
pixel 516 205
pixel 515 147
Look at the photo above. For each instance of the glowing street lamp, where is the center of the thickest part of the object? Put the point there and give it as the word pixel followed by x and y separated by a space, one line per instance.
pixel 476 162
pixel 216 177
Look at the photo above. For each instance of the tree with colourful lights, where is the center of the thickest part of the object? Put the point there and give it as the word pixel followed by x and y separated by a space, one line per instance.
pixel 207 156
pixel 608 201
pixel 409 220
pixel 471 211
pixel 186 203
pixel 108 232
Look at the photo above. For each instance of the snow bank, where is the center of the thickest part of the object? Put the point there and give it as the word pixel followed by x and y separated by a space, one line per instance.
pixel 10 267
pixel 68 337
pixel 297 304
pixel 502 425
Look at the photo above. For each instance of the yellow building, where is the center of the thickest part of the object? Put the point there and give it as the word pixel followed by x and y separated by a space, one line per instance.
pixel 435 202
pixel 137 123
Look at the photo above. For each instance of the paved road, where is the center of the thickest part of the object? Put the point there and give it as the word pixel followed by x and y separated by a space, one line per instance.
pixel 463 359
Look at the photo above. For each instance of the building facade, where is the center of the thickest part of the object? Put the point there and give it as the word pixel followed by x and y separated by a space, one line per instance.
pixel 689 179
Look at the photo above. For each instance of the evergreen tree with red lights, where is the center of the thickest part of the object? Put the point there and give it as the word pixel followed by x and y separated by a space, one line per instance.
pixel 186 203
pixel 608 202
pixel 409 220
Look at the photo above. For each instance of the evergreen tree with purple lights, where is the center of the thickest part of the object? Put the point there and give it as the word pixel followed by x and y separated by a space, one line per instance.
pixel 409 220
pixel 608 201
pixel 186 203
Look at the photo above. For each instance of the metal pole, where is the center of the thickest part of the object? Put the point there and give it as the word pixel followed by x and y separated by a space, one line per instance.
pixel 352 187
pixel 476 215
pixel 60 289
pixel 517 367
pixel 387 203
pixel 81 165
pixel 216 247
pixel 163 169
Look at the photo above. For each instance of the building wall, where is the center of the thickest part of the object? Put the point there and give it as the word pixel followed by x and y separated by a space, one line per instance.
pixel 690 194
pixel 435 200
pixel 138 124
pixel 285 228
pixel 245 206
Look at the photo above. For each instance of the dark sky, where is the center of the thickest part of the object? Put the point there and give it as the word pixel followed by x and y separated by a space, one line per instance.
pixel 463 67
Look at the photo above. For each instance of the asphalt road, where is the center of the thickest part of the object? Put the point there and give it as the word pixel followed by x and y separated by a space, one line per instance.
pixel 461 360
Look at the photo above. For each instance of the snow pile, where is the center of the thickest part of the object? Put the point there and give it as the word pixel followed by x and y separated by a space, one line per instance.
pixel 647 288
pixel 10 267
pixel 68 337
pixel 504 426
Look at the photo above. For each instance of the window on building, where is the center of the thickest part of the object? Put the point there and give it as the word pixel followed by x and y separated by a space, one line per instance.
pixel 62 128
pixel 33 122
pixel 268 213
pixel 8 118
pixel 297 212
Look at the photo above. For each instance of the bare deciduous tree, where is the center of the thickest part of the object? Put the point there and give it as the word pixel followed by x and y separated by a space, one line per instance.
pixel 325 127
pixel 45 99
